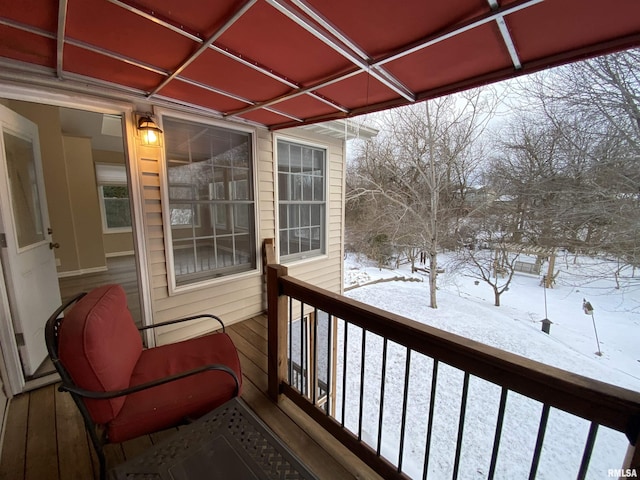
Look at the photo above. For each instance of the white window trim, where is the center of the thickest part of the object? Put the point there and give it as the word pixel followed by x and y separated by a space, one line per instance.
pixel 297 260
pixel 164 199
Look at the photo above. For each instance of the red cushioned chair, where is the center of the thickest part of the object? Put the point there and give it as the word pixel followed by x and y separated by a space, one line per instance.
pixel 124 390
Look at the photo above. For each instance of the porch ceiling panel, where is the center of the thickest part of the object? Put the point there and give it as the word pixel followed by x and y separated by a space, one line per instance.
pixel 282 63
pixel 27 47
pixel 391 25
pixel 267 35
pixel 229 75
pixel 304 105
pixel 199 17
pixel 95 65
pixel 129 34
pixel 190 94
pixel 359 91
pixel 266 117
pixel 41 14
pixel 432 67
pixel 583 22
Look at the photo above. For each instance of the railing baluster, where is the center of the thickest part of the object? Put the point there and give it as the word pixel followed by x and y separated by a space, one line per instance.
pixel 541 431
pixel 463 411
pixel 314 356
pixel 290 340
pixel 344 369
pixel 432 404
pixel 363 352
pixel 588 450
pixel 407 368
pixel 496 439
pixel 329 362
pixel 384 376
pixel 303 380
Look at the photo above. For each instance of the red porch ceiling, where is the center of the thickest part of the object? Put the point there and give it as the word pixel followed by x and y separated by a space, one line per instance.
pixel 290 62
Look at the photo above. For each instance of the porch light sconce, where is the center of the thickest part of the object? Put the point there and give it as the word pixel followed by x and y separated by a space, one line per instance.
pixel 149 131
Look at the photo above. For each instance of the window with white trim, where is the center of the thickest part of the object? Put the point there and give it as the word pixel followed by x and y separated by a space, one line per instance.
pixel 211 207
pixel 114 197
pixel 301 200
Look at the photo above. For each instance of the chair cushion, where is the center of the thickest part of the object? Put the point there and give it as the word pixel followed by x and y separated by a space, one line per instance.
pixel 99 345
pixel 169 404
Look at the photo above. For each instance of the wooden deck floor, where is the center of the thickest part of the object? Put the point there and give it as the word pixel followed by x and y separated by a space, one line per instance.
pixel 45 437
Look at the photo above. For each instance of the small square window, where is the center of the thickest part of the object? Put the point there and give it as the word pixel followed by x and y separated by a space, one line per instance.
pixel 115 208
pixel 113 191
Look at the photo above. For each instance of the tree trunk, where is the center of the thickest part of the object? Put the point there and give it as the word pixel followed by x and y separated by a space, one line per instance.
pixel 433 220
pixel 496 294
pixel 433 271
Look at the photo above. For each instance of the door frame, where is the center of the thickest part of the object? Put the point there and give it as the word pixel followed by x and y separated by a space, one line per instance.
pixel 15 381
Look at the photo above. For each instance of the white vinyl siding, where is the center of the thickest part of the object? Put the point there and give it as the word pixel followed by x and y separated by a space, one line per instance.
pixel 237 298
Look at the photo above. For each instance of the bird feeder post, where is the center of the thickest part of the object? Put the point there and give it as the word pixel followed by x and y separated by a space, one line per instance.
pixel 588 310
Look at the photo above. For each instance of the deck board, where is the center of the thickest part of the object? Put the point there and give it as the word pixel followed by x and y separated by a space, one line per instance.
pixel 15 439
pixel 73 446
pixel 45 436
pixel 42 449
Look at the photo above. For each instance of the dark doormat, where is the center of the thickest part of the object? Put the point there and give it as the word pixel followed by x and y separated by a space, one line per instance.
pixel 230 442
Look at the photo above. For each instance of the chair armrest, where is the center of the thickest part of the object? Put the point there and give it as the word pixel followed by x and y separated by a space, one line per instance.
pixel 154 383
pixel 186 319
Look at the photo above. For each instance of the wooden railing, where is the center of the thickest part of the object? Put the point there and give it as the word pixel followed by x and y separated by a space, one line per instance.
pixel 290 299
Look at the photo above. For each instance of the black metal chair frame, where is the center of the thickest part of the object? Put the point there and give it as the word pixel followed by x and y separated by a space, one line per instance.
pixel 52 329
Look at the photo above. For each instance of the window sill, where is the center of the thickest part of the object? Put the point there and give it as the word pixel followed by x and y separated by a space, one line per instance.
pixel 302 260
pixel 212 282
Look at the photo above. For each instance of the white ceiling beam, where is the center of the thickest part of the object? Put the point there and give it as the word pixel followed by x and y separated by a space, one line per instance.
pixel 234 56
pixel 506 36
pixel 402 52
pixel 122 58
pixel 82 45
pixel 327 25
pixel 62 22
pixel 209 88
pixel 508 41
pixel 345 47
pixel 254 66
pixel 341 49
pixel 156 20
pixel 205 45
pixel 297 93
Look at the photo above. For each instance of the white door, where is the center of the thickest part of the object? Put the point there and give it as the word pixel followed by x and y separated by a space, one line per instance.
pixel 28 260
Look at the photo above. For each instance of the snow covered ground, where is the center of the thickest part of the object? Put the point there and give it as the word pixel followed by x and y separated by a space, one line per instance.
pixel 467 309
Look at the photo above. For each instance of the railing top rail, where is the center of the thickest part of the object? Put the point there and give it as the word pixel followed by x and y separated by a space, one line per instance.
pixel 606 404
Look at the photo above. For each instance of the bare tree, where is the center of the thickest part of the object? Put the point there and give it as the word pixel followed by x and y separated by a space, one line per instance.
pixel 593 109
pixel 494 266
pixel 413 176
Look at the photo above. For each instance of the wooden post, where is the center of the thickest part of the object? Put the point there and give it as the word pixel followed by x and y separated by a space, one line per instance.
pixel 277 315
pixel 268 253
pixel 632 459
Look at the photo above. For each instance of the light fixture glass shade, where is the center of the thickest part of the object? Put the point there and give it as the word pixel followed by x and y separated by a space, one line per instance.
pixel 149 131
